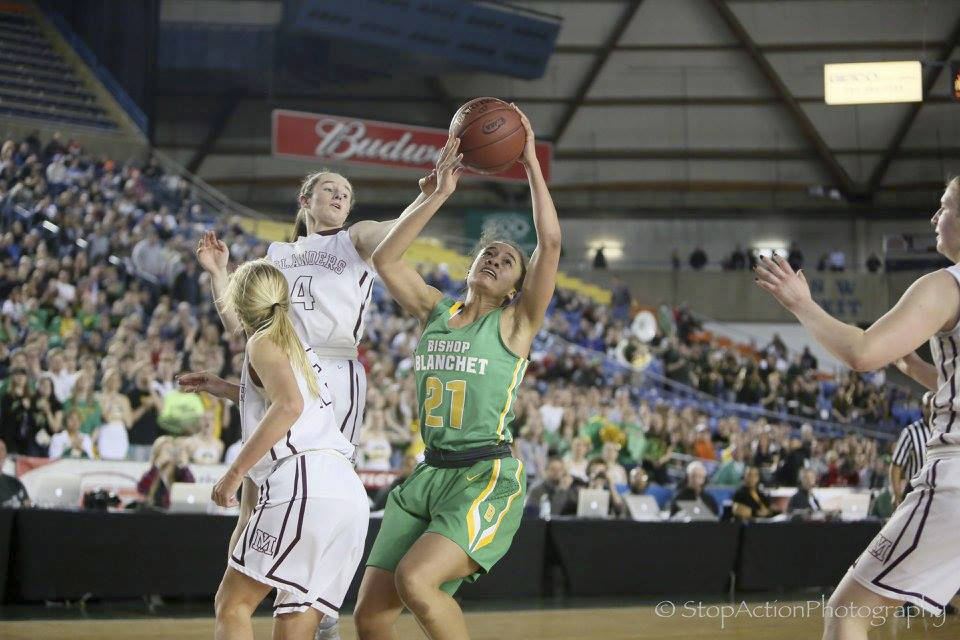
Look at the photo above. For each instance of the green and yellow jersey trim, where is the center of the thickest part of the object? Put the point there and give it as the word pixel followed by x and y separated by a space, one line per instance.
pixel 473 515
pixel 518 372
pixel 490 532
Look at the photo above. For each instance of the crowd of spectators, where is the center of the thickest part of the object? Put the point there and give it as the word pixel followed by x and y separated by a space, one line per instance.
pixel 103 307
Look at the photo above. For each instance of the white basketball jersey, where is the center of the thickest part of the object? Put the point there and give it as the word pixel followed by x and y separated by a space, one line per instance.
pixel 316 428
pixel 945 422
pixel 330 288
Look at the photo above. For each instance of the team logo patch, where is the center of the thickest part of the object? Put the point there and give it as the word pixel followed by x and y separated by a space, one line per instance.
pixel 490 512
pixel 263 542
pixel 880 548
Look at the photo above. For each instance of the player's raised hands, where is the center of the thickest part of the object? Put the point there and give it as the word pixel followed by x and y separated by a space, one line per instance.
pixel 428 183
pixel 530 147
pixel 789 287
pixel 212 253
pixel 448 166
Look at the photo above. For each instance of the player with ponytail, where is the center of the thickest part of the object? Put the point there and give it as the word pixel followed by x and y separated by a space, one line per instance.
pixel 294 459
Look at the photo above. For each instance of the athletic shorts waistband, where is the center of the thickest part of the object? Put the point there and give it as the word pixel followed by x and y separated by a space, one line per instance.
pixel 346 353
pixel 444 459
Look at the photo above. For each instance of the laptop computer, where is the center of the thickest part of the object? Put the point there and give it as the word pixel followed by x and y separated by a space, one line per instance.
pixel 190 497
pixel 593 503
pixel 642 508
pixel 854 506
pixel 694 510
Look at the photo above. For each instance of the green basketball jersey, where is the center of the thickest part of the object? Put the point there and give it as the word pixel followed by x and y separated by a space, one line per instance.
pixel 467 381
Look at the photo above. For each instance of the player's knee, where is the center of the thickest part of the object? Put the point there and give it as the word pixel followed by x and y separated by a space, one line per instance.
pixel 414 589
pixel 370 620
pixel 227 606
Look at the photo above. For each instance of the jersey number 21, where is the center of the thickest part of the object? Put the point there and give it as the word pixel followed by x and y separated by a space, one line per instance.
pixel 435 393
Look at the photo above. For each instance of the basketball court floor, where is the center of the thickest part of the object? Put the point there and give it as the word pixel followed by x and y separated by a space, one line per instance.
pixel 493 621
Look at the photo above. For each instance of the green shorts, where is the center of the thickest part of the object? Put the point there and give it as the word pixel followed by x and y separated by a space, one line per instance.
pixel 477 507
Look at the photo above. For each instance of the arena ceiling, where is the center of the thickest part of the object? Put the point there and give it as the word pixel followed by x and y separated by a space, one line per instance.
pixel 655 107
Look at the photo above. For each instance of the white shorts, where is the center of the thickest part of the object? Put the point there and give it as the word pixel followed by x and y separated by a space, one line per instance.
pixel 306 535
pixel 916 556
pixel 347 381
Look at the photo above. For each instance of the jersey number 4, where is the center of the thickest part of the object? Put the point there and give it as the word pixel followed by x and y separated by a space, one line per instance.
pixel 301 293
pixel 458 396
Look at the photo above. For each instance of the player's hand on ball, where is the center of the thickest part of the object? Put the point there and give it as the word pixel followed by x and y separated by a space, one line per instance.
pixel 448 167
pixel 530 147
pixel 428 183
pixel 789 287
pixel 212 253
pixel 224 493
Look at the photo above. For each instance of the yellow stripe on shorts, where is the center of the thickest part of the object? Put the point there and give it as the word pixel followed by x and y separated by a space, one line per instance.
pixel 509 401
pixel 487 536
pixel 473 515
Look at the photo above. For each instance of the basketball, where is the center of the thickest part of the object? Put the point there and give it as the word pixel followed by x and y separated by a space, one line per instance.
pixel 491 135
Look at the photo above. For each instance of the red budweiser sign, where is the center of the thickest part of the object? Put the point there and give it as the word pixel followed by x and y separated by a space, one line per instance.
pixel 317 136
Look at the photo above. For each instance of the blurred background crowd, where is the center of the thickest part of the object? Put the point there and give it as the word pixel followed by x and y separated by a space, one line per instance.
pixel 104 305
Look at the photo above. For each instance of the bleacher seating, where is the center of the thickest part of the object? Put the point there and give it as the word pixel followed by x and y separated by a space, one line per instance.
pixel 37 82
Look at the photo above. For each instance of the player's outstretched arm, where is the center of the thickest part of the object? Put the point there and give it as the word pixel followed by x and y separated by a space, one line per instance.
pixel 214 385
pixel 286 405
pixel 404 283
pixel 541 277
pixel 213 256
pixel 930 304
pixel 367 235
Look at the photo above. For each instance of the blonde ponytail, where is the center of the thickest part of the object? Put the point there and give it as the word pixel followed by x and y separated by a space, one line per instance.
pixel 257 291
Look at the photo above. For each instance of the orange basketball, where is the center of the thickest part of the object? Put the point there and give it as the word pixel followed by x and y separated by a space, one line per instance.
pixel 491 135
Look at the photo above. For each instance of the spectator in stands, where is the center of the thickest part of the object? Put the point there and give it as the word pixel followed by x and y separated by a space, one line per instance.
pixel 84 401
pixel 693 489
pixel 795 257
pixel 730 472
pixel 47 417
pixel 558 487
pixel 12 492
pixel 793 459
pixel 615 471
pixel 639 482
pixel 698 259
pixel 16 413
pixel 145 403
pixel 576 459
pixel 804 499
pixel 620 299
pixel 375 446
pixel 111 437
pixel 63 380
pixel 531 447
pixel 168 464
pixel 72 442
pixel 873 263
pixel 203 447
pixel 751 501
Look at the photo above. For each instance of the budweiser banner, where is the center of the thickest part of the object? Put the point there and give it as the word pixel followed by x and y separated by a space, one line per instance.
pixel 317 136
